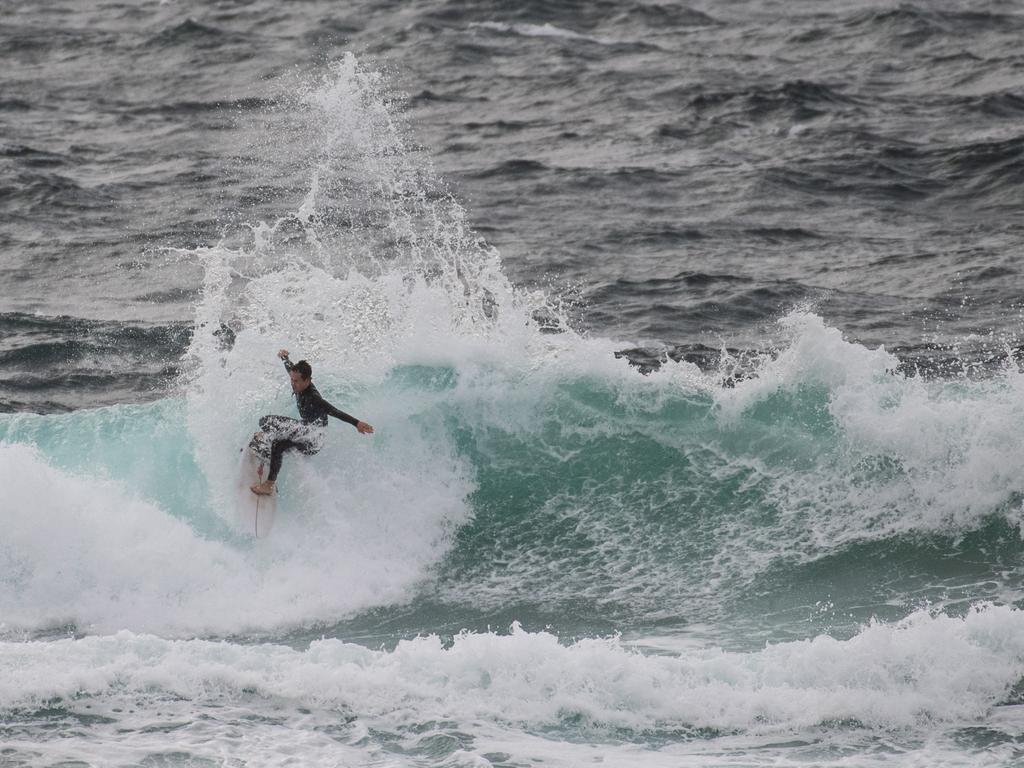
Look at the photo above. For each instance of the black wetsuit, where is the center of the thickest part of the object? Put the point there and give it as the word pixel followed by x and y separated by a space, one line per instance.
pixel 306 436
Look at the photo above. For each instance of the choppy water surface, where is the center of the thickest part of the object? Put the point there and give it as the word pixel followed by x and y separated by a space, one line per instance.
pixel 691 338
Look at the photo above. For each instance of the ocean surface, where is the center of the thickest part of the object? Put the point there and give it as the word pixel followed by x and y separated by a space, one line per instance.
pixel 692 337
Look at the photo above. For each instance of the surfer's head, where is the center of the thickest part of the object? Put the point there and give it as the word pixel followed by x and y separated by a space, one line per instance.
pixel 300 374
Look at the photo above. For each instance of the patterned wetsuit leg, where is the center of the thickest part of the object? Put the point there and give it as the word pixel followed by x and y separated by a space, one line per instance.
pixel 287 434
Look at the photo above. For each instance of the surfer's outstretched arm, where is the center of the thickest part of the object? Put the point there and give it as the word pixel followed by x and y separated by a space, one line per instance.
pixel 283 354
pixel 337 413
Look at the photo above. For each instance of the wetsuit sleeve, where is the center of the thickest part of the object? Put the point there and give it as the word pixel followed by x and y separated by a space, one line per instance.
pixel 330 410
pixel 288 365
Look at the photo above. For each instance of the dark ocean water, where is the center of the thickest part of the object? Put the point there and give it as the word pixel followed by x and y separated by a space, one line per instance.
pixel 684 174
pixel 691 334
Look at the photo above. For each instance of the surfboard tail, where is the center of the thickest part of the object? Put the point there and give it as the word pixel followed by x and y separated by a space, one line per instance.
pixel 255 511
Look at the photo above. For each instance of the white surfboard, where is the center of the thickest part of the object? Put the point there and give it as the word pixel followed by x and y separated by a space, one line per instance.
pixel 255 512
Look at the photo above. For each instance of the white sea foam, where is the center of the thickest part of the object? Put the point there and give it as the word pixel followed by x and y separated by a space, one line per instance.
pixel 926 673
pixel 91 551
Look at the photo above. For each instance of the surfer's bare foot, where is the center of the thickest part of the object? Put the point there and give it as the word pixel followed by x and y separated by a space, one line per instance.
pixel 265 488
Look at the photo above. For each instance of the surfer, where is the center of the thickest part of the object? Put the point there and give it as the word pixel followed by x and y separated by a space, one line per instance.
pixel 280 433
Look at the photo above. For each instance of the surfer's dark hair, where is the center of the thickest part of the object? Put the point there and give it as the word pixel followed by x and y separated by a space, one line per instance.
pixel 305 369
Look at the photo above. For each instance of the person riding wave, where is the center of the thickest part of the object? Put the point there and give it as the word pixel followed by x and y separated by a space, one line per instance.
pixel 279 434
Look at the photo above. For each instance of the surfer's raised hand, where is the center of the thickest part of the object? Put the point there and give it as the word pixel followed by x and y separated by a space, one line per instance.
pixel 364 428
pixel 283 354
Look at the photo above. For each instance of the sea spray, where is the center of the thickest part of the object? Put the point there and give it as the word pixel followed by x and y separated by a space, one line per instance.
pixel 386 269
